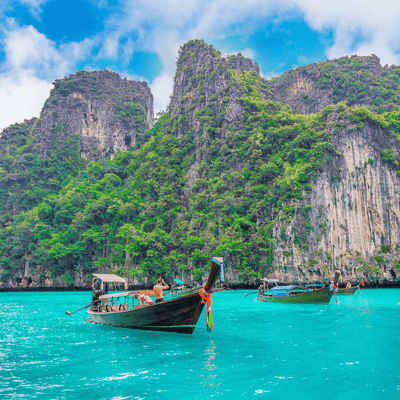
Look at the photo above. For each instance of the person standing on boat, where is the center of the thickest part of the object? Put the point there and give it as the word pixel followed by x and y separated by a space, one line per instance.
pixel 158 289
pixel 335 289
pixel 105 291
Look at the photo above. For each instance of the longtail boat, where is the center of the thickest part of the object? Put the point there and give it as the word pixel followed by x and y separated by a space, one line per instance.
pixel 310 294
pixel 295 294
pixel 178 315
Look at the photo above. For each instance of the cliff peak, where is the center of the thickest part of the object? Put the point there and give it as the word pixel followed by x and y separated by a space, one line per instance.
pixel 108 113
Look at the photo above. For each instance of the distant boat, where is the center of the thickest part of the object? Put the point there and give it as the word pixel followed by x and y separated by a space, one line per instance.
pixel 178 315
pixel 296 294
pixel 310 294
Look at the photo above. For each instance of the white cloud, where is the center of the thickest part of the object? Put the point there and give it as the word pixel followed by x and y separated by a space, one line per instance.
pixel 28 49
pixel 31 63
pixel 162 28
pixel 161 87
pixel 21 97
pixel 375 23
pixel 359 26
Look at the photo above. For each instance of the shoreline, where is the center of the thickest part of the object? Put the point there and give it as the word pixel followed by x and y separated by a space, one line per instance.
pixel 17 289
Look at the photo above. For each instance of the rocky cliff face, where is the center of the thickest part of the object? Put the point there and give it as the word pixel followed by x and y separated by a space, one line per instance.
pixel 352 213
pixel 205 102
pixel 108 113
pixel 89 115
pixel 350 219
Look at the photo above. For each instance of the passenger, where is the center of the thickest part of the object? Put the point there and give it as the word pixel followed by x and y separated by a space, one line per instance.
pixel 97 285
pixel 158 289
pixel 105 291
pixel 95 300
pixel 146 299
pixel 335 289
pixel 348 286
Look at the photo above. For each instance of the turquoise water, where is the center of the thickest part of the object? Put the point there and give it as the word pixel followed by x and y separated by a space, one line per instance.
pixel 257 350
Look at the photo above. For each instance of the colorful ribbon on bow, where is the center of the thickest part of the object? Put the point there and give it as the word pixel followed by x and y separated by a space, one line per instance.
pixel 207 297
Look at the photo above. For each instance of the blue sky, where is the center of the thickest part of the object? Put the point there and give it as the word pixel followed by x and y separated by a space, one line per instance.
pixel 42 40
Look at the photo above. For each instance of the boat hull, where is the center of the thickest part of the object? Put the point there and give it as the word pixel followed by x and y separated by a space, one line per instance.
pixel 178 315
pixel 349 291
pixel 320 296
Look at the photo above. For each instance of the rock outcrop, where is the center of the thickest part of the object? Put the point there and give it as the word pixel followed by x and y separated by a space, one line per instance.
pixel 108 113
pixel 351 218
pixel 356 80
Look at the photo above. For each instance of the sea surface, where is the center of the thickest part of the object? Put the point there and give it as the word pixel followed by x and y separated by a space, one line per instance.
pixel 349 350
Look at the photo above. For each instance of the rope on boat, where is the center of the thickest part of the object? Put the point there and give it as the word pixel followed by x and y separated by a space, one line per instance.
pixel 207 297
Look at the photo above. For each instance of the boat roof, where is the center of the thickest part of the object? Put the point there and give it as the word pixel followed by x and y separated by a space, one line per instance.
pixel 269 280
pixel 178 281
pixel 110 278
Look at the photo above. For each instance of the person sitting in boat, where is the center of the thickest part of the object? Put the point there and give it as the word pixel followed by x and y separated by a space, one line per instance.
pixel 95 300
pixel 145 299
pixel 158 289
pixel 348 286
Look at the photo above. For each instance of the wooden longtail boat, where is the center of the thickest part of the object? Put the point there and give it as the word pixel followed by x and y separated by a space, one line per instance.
pixel 178 315
pixel 296 294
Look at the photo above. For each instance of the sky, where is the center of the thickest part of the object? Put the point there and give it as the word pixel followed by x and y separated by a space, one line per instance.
pixel 44 40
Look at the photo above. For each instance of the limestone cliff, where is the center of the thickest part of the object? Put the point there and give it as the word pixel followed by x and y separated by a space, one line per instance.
pixel 107 112
pixel 351 218
pixel 205 97
pixel 89 115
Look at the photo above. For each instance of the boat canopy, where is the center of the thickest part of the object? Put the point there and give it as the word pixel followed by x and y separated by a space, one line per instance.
pixel 178 281
pixel 112 278
pixel 269 280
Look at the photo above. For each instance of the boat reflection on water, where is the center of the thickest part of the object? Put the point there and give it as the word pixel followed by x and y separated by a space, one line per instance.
pixel 211 353
pixel 210 379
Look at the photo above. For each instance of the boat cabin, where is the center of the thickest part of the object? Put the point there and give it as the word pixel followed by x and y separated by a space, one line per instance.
pixel 103 301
